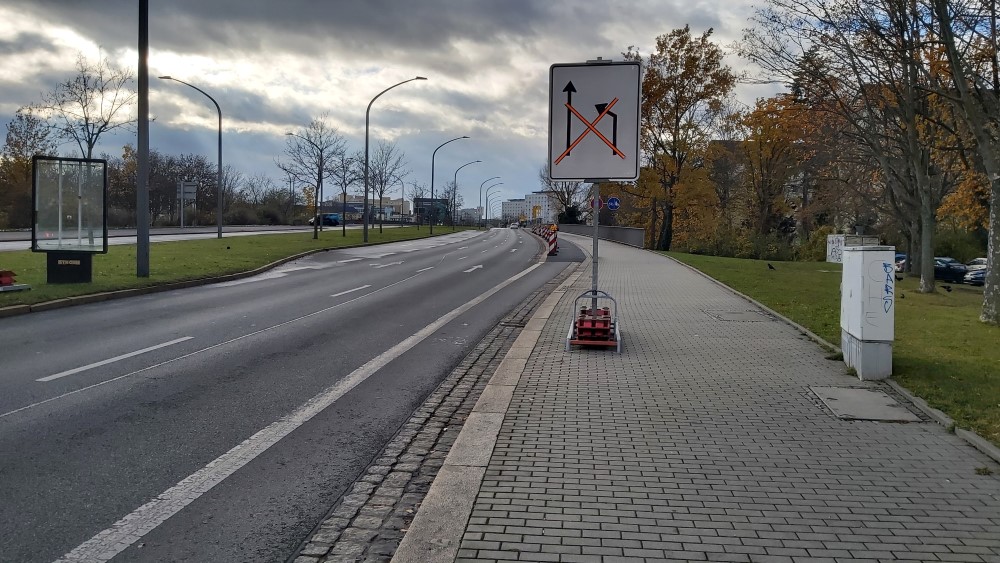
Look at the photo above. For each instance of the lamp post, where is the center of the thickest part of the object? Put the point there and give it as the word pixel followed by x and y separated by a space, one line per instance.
pixel 434 154
pixel 490 207
pixel 454 202
pixel 218 207
pixel 483 211
pixel 364 205
pixel 319 184
pixel 488 196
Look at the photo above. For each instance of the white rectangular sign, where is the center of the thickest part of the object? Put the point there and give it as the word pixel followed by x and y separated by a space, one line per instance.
pixel 594 111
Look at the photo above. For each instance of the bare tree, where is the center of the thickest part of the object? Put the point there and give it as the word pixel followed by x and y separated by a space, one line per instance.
pixel 27 136
pixel 384 166
pixel 567 195
pixel 347 172
pixel 96 101
pixel 312 156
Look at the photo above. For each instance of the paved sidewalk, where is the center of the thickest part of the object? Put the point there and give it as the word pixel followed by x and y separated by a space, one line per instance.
pixel 702 441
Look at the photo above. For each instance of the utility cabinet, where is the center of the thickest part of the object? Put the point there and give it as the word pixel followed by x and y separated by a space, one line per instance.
pixel 868 309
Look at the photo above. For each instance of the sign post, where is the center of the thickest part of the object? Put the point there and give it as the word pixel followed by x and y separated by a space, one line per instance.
pixel 594 124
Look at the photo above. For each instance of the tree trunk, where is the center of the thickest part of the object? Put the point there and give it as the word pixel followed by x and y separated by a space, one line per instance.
pixel 653 232
pixel 926 246
pixel 991 290
pixel 667 231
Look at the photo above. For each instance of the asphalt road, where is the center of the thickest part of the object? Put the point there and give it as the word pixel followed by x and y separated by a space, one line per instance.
pixel 221 423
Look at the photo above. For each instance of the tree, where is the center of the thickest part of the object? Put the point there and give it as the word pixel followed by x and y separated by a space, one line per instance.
pixel 27 136
pixel 968 33
pixel 312 155
pixel 96 101
pixel 567 195
pixel 384 167
pixel 683 93
pixel 348 171
pixel 870 61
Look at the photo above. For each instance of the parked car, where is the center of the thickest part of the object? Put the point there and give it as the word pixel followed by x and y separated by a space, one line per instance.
pixel 329 219
pixel 976 264
pixel 976 277
pixel 900 261
pixel 949 269
pixel 514 225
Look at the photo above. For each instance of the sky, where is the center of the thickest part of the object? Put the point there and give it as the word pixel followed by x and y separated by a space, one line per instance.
pixel 273 66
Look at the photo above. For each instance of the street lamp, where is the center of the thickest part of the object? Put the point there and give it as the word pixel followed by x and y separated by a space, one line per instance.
pixel 481 195
pixel 490 206
pixel 488 196
pixel 454 203
pixel 218 210
pixel 319 184
pixel 434 154
pixel 364 205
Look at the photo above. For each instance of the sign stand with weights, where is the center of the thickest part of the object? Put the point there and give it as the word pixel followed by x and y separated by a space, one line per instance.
pixel 604 148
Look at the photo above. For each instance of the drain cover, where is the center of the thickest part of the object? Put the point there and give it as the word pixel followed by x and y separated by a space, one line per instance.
pixel 851 403
pixel 740 316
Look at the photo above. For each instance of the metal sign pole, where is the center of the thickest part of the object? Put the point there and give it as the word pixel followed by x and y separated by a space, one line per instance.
pixel 597 220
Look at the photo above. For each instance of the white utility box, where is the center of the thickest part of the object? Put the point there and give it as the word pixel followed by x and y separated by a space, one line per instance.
pixel 868 309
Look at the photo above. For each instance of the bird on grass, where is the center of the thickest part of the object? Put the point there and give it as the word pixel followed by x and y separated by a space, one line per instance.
pixel 946 288
pixel 902 296
pixel 770 267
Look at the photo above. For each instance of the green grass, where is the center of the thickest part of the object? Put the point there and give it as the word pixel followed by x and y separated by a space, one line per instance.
pixel 171 262
pixel 942 352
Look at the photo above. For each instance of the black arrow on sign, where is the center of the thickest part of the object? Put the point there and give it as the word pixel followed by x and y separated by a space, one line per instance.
pixel 569 89
pixel 614 123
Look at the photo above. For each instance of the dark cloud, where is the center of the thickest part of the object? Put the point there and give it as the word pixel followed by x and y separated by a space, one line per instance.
pixel 25 42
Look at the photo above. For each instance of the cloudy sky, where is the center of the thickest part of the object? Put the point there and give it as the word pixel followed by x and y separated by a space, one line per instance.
pixel 273 65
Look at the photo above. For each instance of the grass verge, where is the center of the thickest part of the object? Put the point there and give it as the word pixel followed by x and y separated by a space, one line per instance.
pixel 942 352
pixel 171 262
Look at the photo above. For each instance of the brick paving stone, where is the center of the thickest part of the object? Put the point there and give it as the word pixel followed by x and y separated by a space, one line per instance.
pixel 703 441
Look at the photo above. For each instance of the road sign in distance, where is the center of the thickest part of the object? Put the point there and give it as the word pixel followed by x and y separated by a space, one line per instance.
pixel 600 203
pixel 614 203
pixel 594 121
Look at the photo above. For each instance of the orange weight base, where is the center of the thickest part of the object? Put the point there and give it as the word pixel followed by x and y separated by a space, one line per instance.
pixel 594 330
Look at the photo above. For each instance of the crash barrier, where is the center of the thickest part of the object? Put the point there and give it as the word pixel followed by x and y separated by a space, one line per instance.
pixel 625 235
pixel 549 234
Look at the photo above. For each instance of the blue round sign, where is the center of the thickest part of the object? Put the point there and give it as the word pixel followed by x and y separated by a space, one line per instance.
pixel 614 203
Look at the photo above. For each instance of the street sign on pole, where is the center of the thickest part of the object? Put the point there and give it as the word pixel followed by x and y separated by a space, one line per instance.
pixel 594 120
pixel 614 203
pixel 186 191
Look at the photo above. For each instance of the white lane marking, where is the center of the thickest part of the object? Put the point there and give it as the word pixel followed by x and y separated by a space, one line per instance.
pixel 425 269
pixel 351 290
pixel 476 267
pixel 463 258
pixel 123 533
pixel 380 266
pixel 206 349
pixel 349 260
pixel 513 250
pixel 487 250
pixel 462 247
pixel 112 360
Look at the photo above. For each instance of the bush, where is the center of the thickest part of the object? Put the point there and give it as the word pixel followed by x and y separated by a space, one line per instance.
pixel 959 244
pixel 241 216
pixel 814 250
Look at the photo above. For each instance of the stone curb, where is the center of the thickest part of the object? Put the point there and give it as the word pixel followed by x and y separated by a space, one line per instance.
pixel 971 438
pixel 435 534
pixel 14 310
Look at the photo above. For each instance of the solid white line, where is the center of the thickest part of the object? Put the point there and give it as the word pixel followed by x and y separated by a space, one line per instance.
pixel 112 360
pixel 351 290
pixel 123 533
pixel 349 260
pixel 425 269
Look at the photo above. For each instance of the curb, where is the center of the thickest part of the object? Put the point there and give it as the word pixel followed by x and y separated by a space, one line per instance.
pixel 437 530
pixel 971 438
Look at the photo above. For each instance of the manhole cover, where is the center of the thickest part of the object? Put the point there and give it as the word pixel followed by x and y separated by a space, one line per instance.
pixel 851 403
pixel 740 316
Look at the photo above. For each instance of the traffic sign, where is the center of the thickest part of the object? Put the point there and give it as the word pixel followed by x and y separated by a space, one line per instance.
pixel 614 203
pixel 594 120
pixel 600 203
